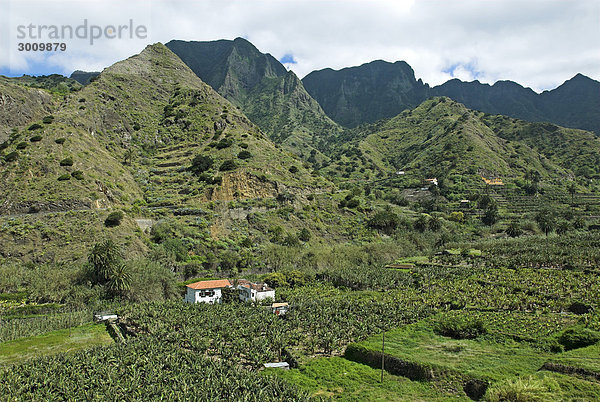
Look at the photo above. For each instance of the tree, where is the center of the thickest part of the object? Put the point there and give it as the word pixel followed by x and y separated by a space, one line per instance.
pixel 119 280
pixel 514 229
pixel 421 223
pixel 546 220
pixel 385 220
pixel 128 156
pixel 104 258
pixel 572 189
pixel 435 223
pixel 490 215
pixel 201 163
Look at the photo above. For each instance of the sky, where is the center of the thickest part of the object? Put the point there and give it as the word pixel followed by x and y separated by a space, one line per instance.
pixel 537 43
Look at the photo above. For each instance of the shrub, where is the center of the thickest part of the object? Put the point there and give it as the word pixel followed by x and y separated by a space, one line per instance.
pixel 4 145
pixel 21 145
pixel 293 169
pixel 304 234
pixel 136 126
pixel 459 327
pixel 224 143
pixel 114 219
pixel 457 216
pixel 201 163
pixel 67 161
pixel 64 177
pixel 352 203
pixel 78 174
pixel 11 157
pixel 36 138
pixel 244 155
pixel 578 337
pixel 48 119
pixel 60 141
pixel 227 165
pixel 34 126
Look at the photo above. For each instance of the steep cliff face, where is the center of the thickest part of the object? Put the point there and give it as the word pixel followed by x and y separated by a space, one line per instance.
pixel 366 93
pixel 272 97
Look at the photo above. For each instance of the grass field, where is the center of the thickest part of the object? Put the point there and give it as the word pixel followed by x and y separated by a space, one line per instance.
pixel 341 379
pixel 64 340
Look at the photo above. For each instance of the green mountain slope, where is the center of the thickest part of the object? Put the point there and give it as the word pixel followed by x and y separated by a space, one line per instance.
pixel 442 138
pixel 131 138
pixel 270 96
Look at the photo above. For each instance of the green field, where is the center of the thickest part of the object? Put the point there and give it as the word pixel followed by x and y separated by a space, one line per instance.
pixel 64 340
pixel 342 379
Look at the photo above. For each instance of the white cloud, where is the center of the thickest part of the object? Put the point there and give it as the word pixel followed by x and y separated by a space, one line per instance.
pixel 538 43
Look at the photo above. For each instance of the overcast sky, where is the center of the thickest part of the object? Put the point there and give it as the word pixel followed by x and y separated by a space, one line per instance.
pixel 537 43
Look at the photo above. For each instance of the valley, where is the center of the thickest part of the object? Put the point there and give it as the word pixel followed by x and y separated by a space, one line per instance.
pixel 443 247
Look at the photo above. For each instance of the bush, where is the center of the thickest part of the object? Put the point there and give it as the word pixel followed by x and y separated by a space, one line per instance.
pixel 64 177
pixel 304 234
pixel 224 143
pixel 60 141
pixel 22 145
pixel 578 337
pixel 36 138
pixel 78 174
pixel 48 119
pixel 201 163
pixel 244 155
pixel 67 161
pixel 114 219
pixel 11 157
pixel 293 169
pixel 34 126
pixel 228 165
pixel 459 327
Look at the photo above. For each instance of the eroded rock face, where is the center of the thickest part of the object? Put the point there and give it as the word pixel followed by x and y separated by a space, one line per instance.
pixel 242 185
pixel 20 106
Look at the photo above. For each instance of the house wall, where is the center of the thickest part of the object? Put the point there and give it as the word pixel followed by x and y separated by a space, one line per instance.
pixel 270 294
pixel 195 296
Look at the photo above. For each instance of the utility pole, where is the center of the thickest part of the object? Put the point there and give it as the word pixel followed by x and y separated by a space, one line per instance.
pixel 382 354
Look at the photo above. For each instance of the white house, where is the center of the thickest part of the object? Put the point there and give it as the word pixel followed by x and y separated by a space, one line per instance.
pixel 206 291
pixel 250 291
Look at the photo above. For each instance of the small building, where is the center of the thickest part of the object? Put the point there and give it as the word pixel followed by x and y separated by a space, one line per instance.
pixel 279 308
pixel 281 365
pixel 400 172
pixel 465 203
pixel 105 316
pixel 433 181
pixel 206 291
pixel 250 291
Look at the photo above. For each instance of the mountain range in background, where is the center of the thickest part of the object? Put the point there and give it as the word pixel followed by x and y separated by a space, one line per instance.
pixel 298 113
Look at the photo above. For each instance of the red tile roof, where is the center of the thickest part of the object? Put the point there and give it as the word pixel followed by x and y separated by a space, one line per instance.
pixel 218 283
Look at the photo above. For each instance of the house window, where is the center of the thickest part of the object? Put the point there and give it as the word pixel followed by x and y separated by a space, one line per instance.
pixel 207 293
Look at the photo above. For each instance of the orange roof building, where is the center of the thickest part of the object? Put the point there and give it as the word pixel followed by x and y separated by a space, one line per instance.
pixel 206 291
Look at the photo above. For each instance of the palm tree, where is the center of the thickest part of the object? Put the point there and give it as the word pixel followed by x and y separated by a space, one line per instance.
pixel 119 280
pixel 572 189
